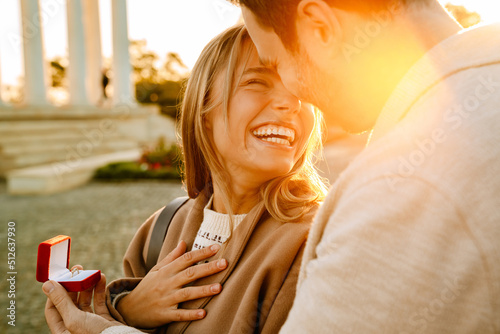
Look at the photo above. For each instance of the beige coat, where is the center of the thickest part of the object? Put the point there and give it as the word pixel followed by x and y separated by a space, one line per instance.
pixel 263 256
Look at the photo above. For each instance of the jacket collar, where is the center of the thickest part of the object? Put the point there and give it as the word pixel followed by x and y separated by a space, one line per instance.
pixel 231 250
pixel 195 218
pixel 456 53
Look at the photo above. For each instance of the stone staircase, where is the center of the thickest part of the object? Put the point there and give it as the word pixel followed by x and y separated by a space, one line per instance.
pixel 43 155
pixel 32 143
pixel 57 177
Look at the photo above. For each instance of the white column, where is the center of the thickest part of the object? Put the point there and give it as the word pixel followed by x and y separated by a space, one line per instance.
pixel 2 104
pixel 35 79
pixel 76 51
pixel 123 90
pixel 92 26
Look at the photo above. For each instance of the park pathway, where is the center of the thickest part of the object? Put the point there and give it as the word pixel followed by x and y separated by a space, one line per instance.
pixel 100 217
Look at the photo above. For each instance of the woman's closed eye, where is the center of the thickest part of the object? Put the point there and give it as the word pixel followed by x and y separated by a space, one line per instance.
pixel 256 82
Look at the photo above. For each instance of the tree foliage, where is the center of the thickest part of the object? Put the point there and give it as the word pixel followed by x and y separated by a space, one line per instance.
pixel 155 82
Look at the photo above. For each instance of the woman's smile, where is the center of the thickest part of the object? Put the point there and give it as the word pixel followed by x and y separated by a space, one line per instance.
pixel 282 135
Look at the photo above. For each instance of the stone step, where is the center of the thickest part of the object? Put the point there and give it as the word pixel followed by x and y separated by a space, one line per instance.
pixel 62 176
pixel 28 113
pixel 34 144
pixel 66 153
pixel 141 123
pixel 47 137
pixel 44 126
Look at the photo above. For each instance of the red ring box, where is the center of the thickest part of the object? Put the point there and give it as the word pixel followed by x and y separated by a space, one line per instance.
pixel 53 264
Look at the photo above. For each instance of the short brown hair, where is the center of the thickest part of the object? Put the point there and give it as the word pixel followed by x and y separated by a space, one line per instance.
pixel 280 15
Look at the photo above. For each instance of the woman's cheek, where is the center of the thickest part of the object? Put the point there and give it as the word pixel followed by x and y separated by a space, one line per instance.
pixel 308 120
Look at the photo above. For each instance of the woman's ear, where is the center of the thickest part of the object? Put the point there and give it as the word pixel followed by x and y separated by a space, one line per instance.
pixel 318 28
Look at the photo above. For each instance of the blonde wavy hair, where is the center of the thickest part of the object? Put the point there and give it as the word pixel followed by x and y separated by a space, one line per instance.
pixel 288 197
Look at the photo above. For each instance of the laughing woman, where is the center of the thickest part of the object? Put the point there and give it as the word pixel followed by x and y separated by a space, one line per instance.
pixel 247 145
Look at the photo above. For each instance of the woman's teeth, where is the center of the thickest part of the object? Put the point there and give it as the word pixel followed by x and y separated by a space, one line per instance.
pixel 275 134
pixel 276 140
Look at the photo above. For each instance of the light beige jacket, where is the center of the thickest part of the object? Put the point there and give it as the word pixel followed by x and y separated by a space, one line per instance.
pixel 259 284
pixel 408 239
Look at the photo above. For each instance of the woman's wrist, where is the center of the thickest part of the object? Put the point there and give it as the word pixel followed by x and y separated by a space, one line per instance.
pixel 122 307
pixel 116 298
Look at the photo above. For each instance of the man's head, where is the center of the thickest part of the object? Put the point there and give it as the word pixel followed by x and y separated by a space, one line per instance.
pixel 344 56
pixel 280 15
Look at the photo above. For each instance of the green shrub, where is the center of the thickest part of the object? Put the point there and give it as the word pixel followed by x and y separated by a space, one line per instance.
pixel 156 163
pixel 134 170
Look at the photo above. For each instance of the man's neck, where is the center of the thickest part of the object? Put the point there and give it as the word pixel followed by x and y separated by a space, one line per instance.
pixel 431 24
pixel 400 44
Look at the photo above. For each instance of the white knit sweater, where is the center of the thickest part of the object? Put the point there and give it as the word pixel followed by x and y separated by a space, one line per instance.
pixel 216 227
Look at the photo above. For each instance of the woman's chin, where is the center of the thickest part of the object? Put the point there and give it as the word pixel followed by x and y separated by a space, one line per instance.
pixel 271 171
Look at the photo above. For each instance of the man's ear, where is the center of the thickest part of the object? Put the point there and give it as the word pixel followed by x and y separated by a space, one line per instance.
pixel 319 22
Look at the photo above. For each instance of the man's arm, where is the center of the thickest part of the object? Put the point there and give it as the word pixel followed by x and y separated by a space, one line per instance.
pixel 402 261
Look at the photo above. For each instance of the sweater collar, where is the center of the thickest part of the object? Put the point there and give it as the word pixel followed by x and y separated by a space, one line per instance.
pixel 221 219
pixel 468 49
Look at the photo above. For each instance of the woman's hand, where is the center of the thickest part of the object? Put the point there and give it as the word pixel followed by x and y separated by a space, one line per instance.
pixel 163 288
pixel 64 317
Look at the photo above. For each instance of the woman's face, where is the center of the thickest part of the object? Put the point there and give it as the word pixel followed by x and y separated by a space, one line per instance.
pixel 268 127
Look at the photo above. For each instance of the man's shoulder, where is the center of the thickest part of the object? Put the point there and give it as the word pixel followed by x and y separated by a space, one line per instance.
pixel 452 145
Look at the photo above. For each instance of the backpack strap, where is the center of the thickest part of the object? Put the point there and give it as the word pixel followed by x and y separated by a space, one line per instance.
pixel 160 230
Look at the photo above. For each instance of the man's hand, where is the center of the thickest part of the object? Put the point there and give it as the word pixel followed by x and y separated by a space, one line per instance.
pixel 63 316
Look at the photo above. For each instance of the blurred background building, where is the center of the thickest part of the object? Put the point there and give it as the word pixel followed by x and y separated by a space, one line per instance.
pixel 47 146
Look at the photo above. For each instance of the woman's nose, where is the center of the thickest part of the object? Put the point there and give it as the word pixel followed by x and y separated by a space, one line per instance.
pixel 286 102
